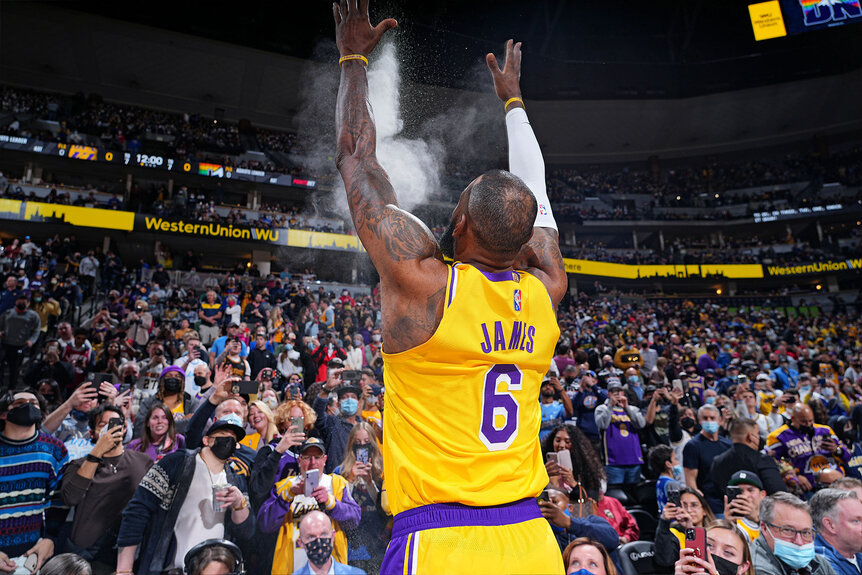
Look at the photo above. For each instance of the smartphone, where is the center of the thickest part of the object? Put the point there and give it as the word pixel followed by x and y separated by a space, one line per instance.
pixel 564 459
pixel 30 562
pixel 98 378
pixel 674 495
pixel 552 456
pixel 115 421
pixel 695 538
pixel 363 453
pixel 351 376
pixel 733 491
pixel 544 496
pixel 124 387
pixel 297 423
pixel 312 480
pixel 245 387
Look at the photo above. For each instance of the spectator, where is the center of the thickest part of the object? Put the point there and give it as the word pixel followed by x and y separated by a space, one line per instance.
pixel 693 511
pixel 33 464
pixel 218 346
pixel 260 356
pixel 100 485
pixel 786 542
pixel 618 421
pixel 210 314
pixel 584 404
pixel 216 556
pixel 316 539
pixel 326 353
pixel 801 441
pixel 744 509
pixel 171 395
pixel 176 506
pixel 140 324
pixel 707 360
pixel 19 331
pixel 262 421
pixel 50 367
pixel 585 461
pixel 663 460
pixel 335 429
pixel 586 554
pixel 837 518
pixel 744 455
pixel 363 469
pixel 66 564
pixel 620 519
pixel 159 437
pixel 287 505
pixel 554 411
pixel 699 454
pixel 729 553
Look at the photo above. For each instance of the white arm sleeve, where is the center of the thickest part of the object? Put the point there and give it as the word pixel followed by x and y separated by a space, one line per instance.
pixel 526 162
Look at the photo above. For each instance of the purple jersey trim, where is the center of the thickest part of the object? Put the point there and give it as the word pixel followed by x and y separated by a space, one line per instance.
pixel 498 276
pixel 439 515
pixel 453 281
pixel 396 557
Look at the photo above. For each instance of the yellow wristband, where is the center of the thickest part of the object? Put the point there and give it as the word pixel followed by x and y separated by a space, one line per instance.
pixel 344 59
pixel 510 100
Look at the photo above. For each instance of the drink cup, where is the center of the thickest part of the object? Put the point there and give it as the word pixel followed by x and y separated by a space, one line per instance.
pixel 222 489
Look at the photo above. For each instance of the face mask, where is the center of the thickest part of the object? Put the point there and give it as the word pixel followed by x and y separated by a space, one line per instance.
pixel 687 422
pixel 677 471
pixel 711 400
pixel 318 551
pixel 796 556
pixel 289 346
pixel 710 426
pixel 129 379
pixel 827 392
pixel 79 415
pixel 805 389
pixel 271 403
pixel 24 415
pixel 807 430
pixel 634 380
pixel 375 337
pixel 223 447
pixel 173 385
pixel 358 342
pixel 723 566
pixel 20 306
pixel 371 400
pixel 766 365
pixel 37 299
pixel 349 406
pixel 582 572
pixel 200 380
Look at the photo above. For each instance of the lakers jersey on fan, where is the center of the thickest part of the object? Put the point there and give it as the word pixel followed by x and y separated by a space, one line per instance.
pixel 462 410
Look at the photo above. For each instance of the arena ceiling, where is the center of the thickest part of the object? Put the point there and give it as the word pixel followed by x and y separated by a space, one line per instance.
pixel 616 49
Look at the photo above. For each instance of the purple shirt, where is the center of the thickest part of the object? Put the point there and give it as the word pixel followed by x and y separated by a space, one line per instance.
pixel 622 443
pixel 154 451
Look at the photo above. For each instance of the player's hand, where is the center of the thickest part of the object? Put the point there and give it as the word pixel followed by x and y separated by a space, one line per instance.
pixel 507 82
pixel 353 31
pixel 554 514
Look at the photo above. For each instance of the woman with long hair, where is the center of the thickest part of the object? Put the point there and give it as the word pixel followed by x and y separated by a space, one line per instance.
pixel 172 394
pixel 363 469
pixel 729 553
pixel 261 419
pixel 693 511
pixel 588 555
pixel 587 469
pixel 160 435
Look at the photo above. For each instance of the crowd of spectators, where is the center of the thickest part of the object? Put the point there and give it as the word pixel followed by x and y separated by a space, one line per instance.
pixel 658 417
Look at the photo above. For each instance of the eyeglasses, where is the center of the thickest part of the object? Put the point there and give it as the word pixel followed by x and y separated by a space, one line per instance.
pixel 310 457
pixel 790 533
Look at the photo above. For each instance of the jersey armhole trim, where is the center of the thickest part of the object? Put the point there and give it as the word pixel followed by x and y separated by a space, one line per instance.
pixel 453 284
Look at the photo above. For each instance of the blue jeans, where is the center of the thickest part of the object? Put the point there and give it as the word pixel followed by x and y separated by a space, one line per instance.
pixel 623 474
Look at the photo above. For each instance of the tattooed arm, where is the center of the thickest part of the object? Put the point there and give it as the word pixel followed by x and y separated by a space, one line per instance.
pixel 541 255
pixel 405 253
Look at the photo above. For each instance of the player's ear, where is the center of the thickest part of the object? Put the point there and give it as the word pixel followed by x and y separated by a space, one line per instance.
pixel 460 225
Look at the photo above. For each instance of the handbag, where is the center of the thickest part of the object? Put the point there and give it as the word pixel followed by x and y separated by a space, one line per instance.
pixel 584 506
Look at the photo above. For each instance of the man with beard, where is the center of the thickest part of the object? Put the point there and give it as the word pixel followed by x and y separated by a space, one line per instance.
pixel 187 497
pixel 473 339
pixel 809 446
pixel 554 411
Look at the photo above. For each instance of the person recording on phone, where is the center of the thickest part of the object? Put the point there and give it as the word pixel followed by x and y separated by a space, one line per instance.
pixel 743 495
pixel 619 422
pixel 187 497
pixel 335 429
pixel 363 468
pixel 100 485
pixel 725 552
pixel 685 508
pixel 293 497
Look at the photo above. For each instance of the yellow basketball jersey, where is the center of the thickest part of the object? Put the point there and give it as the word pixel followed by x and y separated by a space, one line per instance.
pixel 461 419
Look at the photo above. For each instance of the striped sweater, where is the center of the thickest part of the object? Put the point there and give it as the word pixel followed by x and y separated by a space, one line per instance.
pixel 30 474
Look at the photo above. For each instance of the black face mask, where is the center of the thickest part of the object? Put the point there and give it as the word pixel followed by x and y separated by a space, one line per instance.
pixel 223 447
pixel 20 306
pixel 687 422
pixel 173 385
pixel 200 380
pixel 723 566
pixel 318 551
pixel 806 429
pixel 24 415
pixel 129 379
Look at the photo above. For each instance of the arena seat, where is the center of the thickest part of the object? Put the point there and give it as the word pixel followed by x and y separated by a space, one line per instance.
pixel 636 558
pixel 645 496
pixel 646 522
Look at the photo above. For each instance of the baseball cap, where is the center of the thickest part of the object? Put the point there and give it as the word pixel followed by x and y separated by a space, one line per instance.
pixel 231 422
pixel 614 383
pixel 589 372
pixel 312 442
pixel 335 362
pixel 376 389
pixel 745 478
pixel 348 389
pixel 762 377
pixel 171 368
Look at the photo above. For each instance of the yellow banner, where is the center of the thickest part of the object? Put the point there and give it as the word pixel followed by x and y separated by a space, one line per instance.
pixel 626 271
pixel 323 240
pixel 74 215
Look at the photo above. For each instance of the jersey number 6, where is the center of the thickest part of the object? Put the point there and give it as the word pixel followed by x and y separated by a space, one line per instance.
pixel 500 405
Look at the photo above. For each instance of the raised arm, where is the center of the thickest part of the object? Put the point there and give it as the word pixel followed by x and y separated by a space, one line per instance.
pixel 541 255
pixel 396 240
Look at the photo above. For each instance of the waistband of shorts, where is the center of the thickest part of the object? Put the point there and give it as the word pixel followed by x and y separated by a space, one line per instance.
pixel 438 515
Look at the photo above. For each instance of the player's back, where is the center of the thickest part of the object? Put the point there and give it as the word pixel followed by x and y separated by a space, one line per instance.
pixel 462 413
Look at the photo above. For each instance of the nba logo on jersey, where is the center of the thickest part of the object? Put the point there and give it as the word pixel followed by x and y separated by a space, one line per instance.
pixel 517 300
pixel 543 211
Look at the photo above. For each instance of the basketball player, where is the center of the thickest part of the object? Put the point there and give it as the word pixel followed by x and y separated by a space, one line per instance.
pixel 466 345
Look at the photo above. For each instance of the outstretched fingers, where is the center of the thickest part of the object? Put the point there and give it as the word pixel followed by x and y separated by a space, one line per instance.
pixel 385 25
pixel 491 61
pixel 336 13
